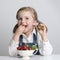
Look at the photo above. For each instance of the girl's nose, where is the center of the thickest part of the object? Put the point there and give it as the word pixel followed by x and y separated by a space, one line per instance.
pixel 23 22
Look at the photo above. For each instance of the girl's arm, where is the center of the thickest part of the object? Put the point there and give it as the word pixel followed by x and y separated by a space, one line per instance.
pixel 13 48
pixel 45 46
pixel 15 41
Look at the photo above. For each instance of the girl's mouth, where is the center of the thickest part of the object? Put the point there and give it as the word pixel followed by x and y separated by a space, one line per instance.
pixel 25 25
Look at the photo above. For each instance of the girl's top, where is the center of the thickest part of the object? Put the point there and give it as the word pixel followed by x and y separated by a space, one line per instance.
pixel 45 48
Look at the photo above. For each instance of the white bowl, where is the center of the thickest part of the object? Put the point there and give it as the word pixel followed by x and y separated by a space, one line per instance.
pixel 26 53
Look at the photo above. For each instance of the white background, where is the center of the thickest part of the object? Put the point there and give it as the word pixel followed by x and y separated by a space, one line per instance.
pixel 48 12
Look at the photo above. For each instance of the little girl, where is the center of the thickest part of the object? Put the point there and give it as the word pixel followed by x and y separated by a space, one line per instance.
pixel 26 31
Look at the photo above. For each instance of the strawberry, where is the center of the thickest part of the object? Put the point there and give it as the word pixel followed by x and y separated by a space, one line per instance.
pixel 25 47
pixel 29 48
pixel 19 48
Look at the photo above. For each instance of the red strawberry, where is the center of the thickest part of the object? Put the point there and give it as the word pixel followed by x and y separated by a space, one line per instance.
pixel 19 48
pixel 29 48
pixel 25 47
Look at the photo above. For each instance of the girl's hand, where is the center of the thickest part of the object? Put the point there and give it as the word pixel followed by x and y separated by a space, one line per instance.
pixel 20 30
pixel 42 29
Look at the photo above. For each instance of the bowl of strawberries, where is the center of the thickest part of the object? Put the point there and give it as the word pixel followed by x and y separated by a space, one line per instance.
pixel 26 51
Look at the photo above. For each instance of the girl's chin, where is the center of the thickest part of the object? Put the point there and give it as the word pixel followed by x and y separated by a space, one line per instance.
pixel 25 31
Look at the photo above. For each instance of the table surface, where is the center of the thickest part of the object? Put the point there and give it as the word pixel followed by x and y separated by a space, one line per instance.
pixel 36 57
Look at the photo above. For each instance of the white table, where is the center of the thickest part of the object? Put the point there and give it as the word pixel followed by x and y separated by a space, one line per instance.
pixel 36 57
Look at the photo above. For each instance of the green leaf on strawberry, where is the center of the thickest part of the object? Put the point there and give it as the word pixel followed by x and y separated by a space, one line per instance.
pixel 33 47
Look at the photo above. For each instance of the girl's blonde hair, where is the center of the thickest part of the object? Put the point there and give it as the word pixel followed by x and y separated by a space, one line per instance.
pixel 34 13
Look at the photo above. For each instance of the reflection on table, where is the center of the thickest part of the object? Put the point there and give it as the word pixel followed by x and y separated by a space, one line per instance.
pixel 35 57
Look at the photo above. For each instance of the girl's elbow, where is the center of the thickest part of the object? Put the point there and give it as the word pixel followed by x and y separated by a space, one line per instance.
pixel 46 52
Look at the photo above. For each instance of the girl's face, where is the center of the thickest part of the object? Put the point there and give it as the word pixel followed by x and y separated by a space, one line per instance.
pixel 26 19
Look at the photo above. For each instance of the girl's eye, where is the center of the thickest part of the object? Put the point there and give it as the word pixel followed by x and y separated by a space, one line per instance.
pixel 19 18
pixel 27 18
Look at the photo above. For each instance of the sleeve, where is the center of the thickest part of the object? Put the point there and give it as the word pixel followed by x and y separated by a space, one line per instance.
pixel 12 49
pixel 45 48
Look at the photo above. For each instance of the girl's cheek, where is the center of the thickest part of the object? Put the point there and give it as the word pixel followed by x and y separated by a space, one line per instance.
pixel 29 24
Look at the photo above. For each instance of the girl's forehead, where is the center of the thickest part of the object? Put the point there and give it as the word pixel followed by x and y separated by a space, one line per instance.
pixel 21 12
pixel 25 13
